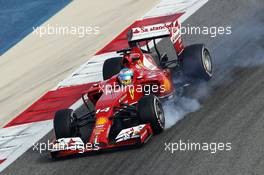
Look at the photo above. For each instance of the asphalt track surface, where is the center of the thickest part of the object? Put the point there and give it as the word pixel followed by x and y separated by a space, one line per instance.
pixel 233 111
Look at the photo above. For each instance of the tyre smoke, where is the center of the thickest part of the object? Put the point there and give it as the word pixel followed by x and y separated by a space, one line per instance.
pixel 229 55
pixel 176 111
pixel 178 107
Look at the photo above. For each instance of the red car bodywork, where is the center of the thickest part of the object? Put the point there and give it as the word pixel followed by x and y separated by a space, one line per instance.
pixel 142 76
pixel 146 72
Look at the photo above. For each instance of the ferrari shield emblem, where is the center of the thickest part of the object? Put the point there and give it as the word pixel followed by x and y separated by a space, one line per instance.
pixel 131 92
pixel 140 63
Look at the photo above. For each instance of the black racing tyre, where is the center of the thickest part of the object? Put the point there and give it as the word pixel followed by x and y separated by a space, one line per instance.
pixel 150 111
pixel 63 123
pixel 197 62
pixel 112 67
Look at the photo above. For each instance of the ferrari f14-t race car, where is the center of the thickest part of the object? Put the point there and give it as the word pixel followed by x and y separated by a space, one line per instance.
pixel 125 109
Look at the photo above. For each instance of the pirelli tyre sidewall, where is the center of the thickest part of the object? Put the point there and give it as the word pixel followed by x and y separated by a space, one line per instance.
pixel 150 111
pixel 63 123
pixel 197 62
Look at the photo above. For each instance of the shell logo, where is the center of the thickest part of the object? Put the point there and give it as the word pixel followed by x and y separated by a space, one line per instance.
pixel 140 63
pixel 101 121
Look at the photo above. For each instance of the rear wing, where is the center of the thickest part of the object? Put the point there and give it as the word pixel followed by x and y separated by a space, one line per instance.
pixel 157 31
pixel 152 32
pixel 148 33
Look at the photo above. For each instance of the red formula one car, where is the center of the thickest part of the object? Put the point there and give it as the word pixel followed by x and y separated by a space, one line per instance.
pixel 126 108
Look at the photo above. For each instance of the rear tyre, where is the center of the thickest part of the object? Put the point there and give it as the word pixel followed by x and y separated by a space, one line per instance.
pixel 150 111
pixel 63 123
pixel 197 62
pixel 112 67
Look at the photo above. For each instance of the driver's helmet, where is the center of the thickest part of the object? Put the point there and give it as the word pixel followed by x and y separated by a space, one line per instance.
pixel 125 76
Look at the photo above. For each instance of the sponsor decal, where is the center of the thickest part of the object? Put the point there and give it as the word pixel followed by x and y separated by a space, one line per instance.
pixel 99 130
pixel 103 110
pixel 140 63
pixel 101 121
pixel 153 28
pixel 129 133
pixel 99 126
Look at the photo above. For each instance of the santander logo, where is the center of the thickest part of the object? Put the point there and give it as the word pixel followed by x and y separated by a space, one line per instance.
pixel 153 28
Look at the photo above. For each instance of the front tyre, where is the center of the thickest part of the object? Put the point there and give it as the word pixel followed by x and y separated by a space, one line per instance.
pixel 63 123
pixel 150 111
pixel 197 62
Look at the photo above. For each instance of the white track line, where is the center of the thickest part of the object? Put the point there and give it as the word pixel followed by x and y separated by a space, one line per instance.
pixel 16 140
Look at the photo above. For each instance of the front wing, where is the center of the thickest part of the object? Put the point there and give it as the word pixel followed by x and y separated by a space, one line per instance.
pixel 133 136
